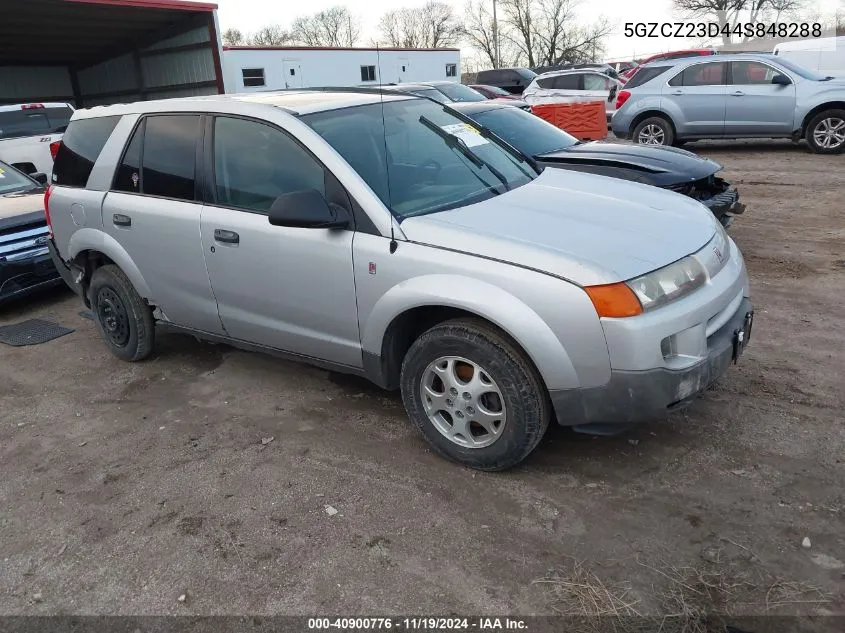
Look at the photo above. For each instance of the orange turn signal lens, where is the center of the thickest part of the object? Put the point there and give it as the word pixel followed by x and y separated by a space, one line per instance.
pixel 614 300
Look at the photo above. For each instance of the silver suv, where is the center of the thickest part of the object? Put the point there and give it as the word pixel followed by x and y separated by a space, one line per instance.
pixel 384 235
pixel 732 96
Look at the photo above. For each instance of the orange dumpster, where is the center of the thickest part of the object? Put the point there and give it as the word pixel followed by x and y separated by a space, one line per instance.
pixel 585 120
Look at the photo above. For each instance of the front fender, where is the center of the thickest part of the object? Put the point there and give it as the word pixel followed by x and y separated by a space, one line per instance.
pixel 89 239
pixel 490 302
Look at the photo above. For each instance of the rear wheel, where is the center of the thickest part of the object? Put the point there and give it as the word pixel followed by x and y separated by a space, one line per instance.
pixel 123 319
pixel 825 133
pixel 474 395
pixel 654 131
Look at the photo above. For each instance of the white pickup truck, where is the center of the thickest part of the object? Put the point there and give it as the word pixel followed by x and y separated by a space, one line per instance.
pixel 28 130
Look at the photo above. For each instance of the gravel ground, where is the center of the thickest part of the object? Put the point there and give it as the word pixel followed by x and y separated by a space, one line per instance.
pixel 125 486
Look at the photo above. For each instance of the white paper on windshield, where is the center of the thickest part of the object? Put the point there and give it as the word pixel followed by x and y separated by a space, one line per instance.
pixel 466 133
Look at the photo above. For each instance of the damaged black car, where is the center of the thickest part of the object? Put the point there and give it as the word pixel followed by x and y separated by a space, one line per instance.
pixel 25 263
pixel 665 167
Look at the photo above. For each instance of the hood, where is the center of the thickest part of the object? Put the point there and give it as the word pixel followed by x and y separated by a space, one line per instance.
pixel 511 101
pixel 671 161
pixel 20 208
pixel 586 228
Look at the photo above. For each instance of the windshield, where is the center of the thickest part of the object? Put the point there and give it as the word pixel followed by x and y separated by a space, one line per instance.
pixel 418 158
pixel 460 93
pixel 430 93
pixel 800 70
pixel 526 132
pixel 11 180
pixel 33 121
pixel 495 90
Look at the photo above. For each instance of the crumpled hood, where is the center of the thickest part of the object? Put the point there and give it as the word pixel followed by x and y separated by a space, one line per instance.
pixel 686 165
pixel 586 228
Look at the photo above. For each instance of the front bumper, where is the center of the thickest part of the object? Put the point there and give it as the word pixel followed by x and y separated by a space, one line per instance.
pixel 23 276
pixel 632 397
pixel 725 206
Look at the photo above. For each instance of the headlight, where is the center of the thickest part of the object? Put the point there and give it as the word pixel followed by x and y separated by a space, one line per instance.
pixel 669 283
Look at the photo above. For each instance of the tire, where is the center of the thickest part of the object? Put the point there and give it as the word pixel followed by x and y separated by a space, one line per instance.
pixel 656 128
pixel 124 320
pixel 513 393
pixel 827 126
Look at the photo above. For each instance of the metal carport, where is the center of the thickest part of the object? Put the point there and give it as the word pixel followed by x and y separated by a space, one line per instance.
pixel 96 52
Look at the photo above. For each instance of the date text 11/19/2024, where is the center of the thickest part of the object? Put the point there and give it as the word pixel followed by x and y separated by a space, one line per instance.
pixel 418 624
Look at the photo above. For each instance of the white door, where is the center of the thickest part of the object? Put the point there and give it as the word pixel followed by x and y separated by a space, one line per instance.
pixel 292 73
pixel 403 69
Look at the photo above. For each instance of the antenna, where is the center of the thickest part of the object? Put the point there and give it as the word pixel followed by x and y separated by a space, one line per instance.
pixel 393 243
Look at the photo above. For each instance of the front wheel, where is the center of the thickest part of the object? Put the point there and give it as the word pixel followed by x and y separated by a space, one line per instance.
pixel 474 395
pixel 654 131
pixel 826 132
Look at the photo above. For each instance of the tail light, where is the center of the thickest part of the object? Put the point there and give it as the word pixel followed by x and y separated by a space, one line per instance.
pixel 47 209
pixel 54 148
pixel 622 97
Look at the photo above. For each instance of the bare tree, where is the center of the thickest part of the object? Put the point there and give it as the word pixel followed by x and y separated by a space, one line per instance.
pixel 233 37
pixel 332 27
pixel 478 30
pixel 432 25
pixel 273 35
pixel 728 13
pixel 548 32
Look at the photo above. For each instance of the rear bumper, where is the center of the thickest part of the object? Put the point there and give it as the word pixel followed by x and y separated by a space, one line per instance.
pixel 639 396
pixel 64 271
pixel 23 276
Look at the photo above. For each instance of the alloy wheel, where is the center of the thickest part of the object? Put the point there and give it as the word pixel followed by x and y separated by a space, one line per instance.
pixel 463 402
pixel 651 134
pixel 830 133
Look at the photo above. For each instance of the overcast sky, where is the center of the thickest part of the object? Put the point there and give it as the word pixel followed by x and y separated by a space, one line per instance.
pixel 250 15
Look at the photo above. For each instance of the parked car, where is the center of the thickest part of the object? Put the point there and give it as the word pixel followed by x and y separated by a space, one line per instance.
pixel 514 80
pixel 381 235
pixel 26 132
pixel 25 263
pixel 822 55
pixel 662 57
pixel 580 85
pixel 621 67
pixel 732 96
pixel 493 92
pixel 451 92
pixel 605 69
pixel 666 167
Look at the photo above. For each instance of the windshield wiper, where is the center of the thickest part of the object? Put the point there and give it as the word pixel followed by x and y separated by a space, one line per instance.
pixel 460 145
pixel 487 133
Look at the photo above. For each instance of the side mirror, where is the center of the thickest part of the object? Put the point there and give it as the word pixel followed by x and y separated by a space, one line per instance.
pixel 612 95
pixel 781 80
pixel 307 209
pixel 40 177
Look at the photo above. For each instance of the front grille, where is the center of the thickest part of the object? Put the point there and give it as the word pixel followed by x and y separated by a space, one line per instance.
pixel 22 242
pixel 702 189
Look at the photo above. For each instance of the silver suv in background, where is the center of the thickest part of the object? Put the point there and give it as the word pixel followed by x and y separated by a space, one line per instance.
pixel 732 96
pixel 390 237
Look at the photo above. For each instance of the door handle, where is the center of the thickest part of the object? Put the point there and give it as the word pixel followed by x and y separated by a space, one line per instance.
pixel 678 92
pixel 226 237
pixel 118 219
pixel 737 93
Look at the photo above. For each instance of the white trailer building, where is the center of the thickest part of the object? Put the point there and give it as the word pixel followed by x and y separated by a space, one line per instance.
pixel 257 68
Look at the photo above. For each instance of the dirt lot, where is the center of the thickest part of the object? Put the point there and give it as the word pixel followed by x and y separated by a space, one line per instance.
pixel 125 486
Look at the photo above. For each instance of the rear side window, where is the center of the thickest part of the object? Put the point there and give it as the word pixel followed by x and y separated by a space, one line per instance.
pixel 568 82
pixel 714 74
pixel 34 120
pixel 644 75
pixel 81 146
pixel 160 160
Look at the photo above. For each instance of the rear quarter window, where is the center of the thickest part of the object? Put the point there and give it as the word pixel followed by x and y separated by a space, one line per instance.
pixel 644 75
pixel 81 146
